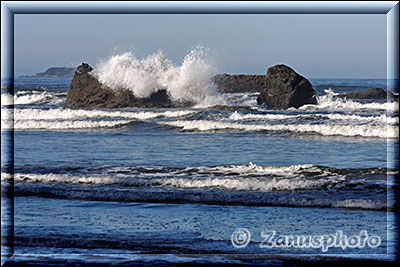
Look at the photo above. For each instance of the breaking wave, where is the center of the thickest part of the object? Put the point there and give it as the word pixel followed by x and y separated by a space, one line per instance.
pixel 32 97
pixel 63 125
pixel 326 124
pixel 380 131
pixel 329 102
pixel 191 81
pixel 59 118
pixel 332 116
pixel 59 113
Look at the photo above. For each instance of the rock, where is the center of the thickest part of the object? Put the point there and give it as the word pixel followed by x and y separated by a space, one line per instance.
pixel 239 83
pixel 284 88
pixel 372 93
pixel 395 97
pixel 86 91
pixel 230 108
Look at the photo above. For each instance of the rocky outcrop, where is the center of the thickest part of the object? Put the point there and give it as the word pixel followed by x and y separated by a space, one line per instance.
pixel 86 91
pixel 372 93
pixel 239 83
pixel 284 88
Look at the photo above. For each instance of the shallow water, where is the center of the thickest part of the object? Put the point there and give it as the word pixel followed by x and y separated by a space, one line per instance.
pixel 193 228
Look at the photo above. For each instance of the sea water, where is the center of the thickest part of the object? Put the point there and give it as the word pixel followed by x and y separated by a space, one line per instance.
pixel 117 185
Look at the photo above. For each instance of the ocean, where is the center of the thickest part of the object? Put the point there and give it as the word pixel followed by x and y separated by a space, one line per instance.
pixel 198 185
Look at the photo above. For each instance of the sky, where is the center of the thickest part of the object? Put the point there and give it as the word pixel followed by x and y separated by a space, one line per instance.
pixel 316 46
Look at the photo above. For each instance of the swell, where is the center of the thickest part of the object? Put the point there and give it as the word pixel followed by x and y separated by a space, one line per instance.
pixel 252 185
pixel 204 197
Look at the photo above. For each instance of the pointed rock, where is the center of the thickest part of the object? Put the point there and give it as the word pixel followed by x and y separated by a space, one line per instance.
pixel 284 88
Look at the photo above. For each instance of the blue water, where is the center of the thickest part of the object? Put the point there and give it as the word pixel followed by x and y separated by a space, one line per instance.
pixel 182 181
pixel 175 149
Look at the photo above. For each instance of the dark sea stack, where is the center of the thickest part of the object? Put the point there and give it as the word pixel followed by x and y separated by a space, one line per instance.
pixel 373 93
pixel 284 88
pixel 239 83
pixel 86 91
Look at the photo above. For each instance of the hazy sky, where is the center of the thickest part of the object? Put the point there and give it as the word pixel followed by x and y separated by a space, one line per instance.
pixel 314 45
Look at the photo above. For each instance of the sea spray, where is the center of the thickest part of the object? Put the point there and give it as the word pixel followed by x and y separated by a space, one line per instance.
pixel 189 82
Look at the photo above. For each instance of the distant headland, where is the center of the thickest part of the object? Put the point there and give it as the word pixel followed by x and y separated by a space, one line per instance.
pixel 54 72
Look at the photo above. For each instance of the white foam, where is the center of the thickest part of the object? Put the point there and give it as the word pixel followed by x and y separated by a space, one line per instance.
pixel 332 103
pixel 381 131
pixel 248 184
pixel 372 204
pixel 330 92
pixel 238 116
pixel 7 118
pixel 6 99
pixel 253 169
pixel 382 118
pixel 333 116
pixel 61 178
pixel 292 171
pixel 233 183
pixel 64 114
pixel 63 125
pixel 191 81
pixel 243 99
pixel 59 118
